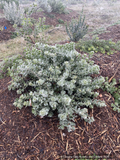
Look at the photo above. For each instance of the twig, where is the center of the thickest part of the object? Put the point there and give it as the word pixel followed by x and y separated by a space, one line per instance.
pixel 114 73
pixel 36 136
pixel 56 28
pixel 61 135
pixel 19 156
pixel 66 145
pixel 31 40
pixel 2 121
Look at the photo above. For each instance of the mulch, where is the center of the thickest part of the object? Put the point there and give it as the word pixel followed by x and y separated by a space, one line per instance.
pixel 24 136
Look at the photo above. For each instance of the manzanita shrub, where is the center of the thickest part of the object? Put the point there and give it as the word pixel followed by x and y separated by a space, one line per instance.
pixel 58 78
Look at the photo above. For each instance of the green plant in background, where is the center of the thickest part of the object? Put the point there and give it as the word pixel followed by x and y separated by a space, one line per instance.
pixel 114 91
pixel 13 35
pixel 96 45
pixel 13 13
pixel 46 26
pixel 26 10
pixel 77 29
pixel 56 6
pixel 52 6
pixel 8 1
pixel 33 8
pixel 56 78
pixel 103 30
pixel 30 29
pixel 99 31
pixel 60 21
pixel 44 5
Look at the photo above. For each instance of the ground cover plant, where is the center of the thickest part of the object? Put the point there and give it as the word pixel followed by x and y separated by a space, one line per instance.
pixel 114 91
pixel 95 44
pixel 26 136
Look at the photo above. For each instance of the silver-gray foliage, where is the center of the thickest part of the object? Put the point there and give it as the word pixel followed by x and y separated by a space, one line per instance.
pixel 57 6
pixel 44 5
pixel 57 78
pixel 51 6
pixel 13 13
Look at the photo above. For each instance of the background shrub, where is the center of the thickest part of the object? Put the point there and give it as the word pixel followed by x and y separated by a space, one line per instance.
pixel 30 30
pixel 8 1
pixel 44 5
pixel 77 29
pixel 56 6
pixel 52 6
pixel 13 13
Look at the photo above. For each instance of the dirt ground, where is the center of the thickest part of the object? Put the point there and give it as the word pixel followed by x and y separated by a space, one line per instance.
pixel 24 136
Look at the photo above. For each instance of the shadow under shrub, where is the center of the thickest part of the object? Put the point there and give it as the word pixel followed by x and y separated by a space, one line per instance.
pixel 59 78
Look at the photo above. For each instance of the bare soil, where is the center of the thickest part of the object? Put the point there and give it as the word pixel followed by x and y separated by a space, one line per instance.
pixel 24 136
